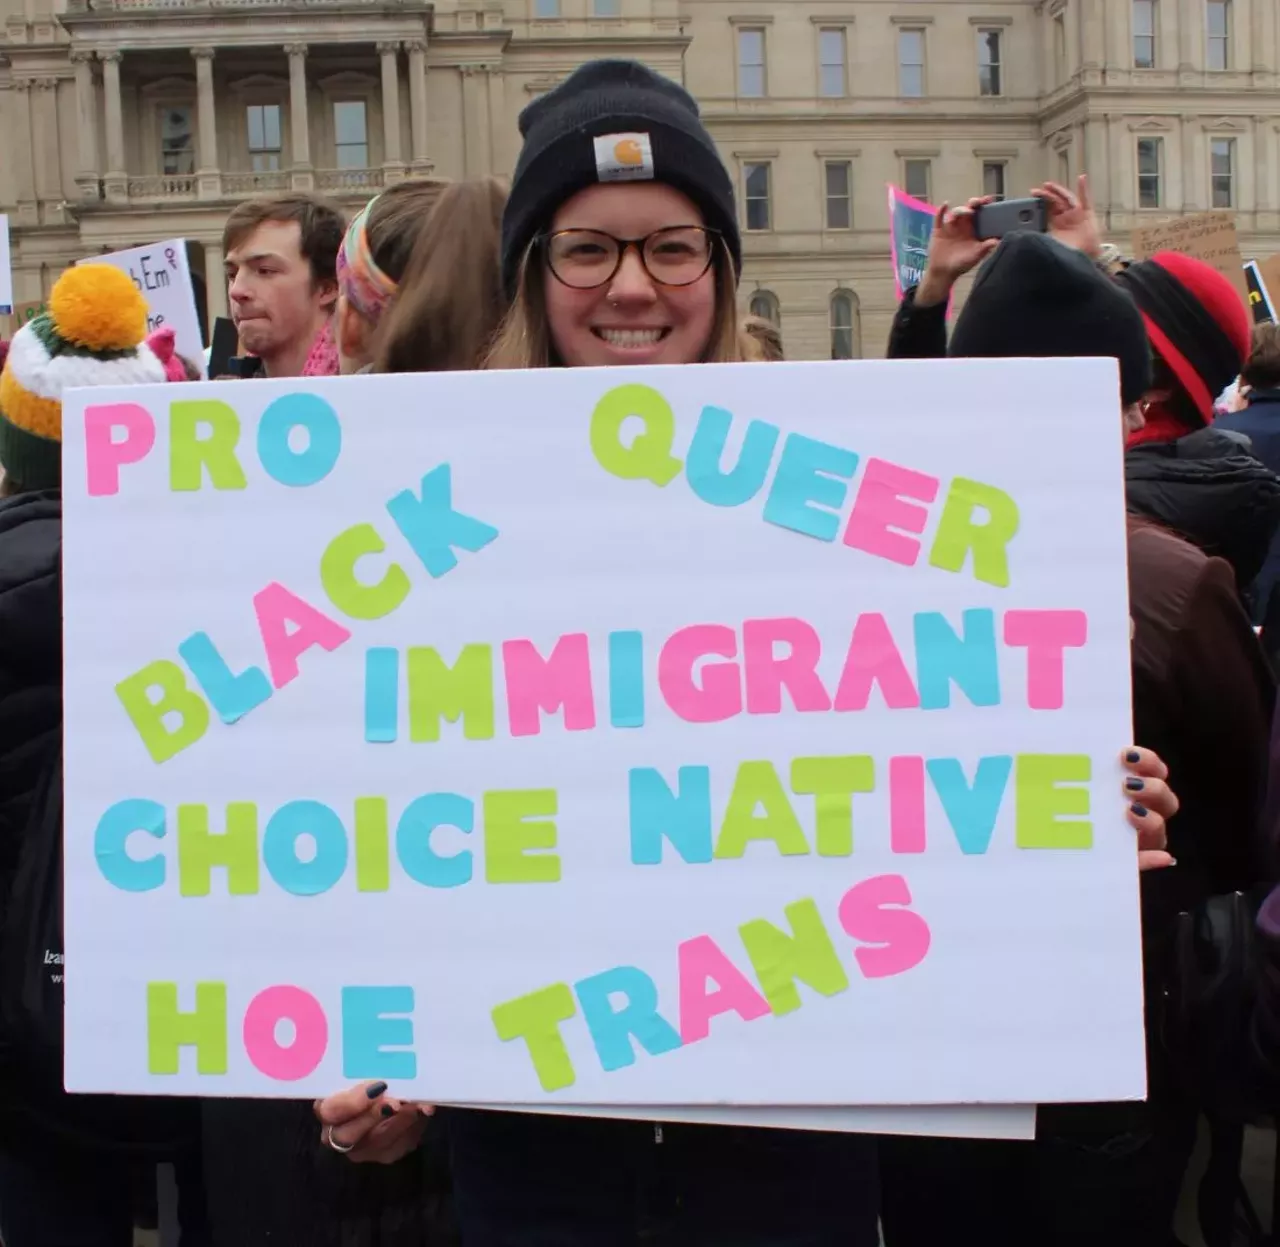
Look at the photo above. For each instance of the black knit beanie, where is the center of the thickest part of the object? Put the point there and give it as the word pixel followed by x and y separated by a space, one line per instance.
pixel 612 121
pixel 1036 298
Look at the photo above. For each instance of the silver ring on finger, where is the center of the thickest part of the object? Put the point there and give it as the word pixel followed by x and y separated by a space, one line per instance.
pixel 330 1141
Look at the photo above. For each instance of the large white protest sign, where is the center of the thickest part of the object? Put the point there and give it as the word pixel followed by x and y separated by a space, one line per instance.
pixel 162 275
pixel 742 735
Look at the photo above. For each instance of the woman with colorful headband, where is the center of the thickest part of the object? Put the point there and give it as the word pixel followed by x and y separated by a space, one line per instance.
pixel 418 278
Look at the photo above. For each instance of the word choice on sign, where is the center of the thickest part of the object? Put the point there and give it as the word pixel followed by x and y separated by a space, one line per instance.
pixel 306 848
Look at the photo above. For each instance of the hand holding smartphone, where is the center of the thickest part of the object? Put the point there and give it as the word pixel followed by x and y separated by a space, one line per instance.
pixel 1009 216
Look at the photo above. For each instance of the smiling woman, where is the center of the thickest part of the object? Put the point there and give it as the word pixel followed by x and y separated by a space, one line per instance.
pixel 621 246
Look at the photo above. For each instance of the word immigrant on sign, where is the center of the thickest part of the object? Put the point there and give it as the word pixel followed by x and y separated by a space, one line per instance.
pixel 590 608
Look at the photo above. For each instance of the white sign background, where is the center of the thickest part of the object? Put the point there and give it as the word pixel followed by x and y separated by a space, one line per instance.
pixel 163 277
pixel 1031 990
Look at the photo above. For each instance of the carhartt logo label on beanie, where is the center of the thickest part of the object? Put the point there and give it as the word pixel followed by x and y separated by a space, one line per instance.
pixel 624 158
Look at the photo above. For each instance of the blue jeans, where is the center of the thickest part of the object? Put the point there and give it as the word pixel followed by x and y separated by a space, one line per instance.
pixel 523 1180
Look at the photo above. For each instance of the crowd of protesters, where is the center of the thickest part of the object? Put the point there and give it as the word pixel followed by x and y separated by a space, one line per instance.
pixel 570 268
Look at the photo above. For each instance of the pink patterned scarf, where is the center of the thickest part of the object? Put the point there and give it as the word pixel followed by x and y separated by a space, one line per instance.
pixel 323 359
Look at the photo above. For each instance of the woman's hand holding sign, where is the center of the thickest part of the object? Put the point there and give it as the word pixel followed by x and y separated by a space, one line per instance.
pixel 367 1126
pixel 1151 804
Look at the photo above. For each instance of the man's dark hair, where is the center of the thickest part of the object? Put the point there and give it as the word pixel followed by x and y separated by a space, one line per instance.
pixel 1262 372
pixel 320 224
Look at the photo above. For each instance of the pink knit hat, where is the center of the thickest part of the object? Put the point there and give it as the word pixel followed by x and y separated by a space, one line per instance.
pixel 163 347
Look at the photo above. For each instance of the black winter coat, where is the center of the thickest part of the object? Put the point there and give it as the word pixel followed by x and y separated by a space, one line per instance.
pixel 36 1114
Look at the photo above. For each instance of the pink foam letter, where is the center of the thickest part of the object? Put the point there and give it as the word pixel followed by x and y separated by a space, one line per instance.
pixel 873 657
pixel 103 455
pixel 870 912
pixel 906 805
pixel 768 674
pixel 881 507
pixel 701 959
pixel 1046 634
pixel 310 1033
pixel 277 608
pixel 537 685
pixel 720 695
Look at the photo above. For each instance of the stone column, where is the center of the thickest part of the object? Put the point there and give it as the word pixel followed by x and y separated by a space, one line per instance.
pixel 47 145
pixel 87 177
pixel 300 177
pixel 420 164
pixel 1097 164
pixel 117 179
pixel 475 120
pixel 215 282
pixel 25 171
pixel 1191 20
pixel 208 176
pixel 498 129
pixel 1195 177
pixel 392 163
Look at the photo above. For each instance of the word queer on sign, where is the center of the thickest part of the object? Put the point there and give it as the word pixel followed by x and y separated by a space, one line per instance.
pixel 637 738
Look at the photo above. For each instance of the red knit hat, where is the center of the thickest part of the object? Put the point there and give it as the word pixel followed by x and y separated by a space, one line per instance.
pixel 1196 320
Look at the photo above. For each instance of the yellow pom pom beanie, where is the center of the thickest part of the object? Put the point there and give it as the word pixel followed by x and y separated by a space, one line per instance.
pixel 91 334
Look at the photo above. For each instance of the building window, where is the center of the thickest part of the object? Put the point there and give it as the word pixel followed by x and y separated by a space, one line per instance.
pixel 1064 168
pixel 833 73
pixel 989 62
pixel 1144 34
pixel 751 80
pixel 1222 168
pixel 546 8
pixel 839 194
pixel 911 63
pixel 1060 47
pixel 264 137
pixel 1219 50
pixel 993 178
pixel 606 8
pixel 1149 159
pixel 351 134
pixel 915 178
pixel 844 325
pixel 764 303
pixel 177 140
pixel 756 179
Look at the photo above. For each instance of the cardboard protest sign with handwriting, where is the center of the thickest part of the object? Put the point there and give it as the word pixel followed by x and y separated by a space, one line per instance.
pixel 624 737
pixel 1209 236
pixel 161 273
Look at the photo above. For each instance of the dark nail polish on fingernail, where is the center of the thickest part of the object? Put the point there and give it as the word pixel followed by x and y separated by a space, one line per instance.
pixel 1134 784
pixel 1133 756
pixel 388 1111
pixel 1139 810
pixel 375 1090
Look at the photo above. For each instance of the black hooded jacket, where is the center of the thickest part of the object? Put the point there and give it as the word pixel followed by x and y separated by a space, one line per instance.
pixel 36 1114
pixel 1210 489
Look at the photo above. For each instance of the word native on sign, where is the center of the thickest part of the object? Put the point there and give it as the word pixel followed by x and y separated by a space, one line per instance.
pixel 632 738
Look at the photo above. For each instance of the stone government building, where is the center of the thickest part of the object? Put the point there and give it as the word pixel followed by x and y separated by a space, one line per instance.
pixel 131 121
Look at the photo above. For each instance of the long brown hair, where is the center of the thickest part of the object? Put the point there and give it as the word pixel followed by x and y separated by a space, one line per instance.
pixel 524 339
pixel 450 300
